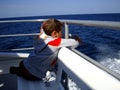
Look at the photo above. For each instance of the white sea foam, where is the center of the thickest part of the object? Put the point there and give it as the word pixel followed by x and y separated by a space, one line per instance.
pixel 109 58
pixel 113 64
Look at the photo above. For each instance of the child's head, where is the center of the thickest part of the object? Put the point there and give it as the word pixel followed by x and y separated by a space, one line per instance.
pixel 52 27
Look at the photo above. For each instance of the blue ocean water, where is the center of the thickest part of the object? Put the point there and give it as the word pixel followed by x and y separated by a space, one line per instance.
pixel 101 44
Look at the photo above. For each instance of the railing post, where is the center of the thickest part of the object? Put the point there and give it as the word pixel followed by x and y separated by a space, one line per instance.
pixel 59 75
pixel 66 31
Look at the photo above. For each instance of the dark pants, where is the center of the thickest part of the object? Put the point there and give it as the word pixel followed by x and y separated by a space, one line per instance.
pixel 22 71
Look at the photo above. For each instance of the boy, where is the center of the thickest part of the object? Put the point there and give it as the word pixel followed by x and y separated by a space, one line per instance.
pixel 46 49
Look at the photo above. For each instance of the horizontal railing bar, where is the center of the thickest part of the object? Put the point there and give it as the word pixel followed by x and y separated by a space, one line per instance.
pixel 13 55
pixel 13 21
pixel 13 35
pixel 30 48
pixel 105 24
pixel 18 49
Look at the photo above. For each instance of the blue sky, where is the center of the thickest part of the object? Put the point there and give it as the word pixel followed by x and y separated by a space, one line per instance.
pixel 20 8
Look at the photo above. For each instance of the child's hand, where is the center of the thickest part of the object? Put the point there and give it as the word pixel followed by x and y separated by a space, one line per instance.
pixel 41 32
pixel 77 38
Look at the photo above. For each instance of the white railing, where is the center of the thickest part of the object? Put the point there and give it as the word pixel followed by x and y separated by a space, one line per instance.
pixel 105 24
pixel 87 74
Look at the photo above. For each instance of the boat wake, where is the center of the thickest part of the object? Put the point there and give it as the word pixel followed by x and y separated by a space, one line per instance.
pixel 113 64
pixel 109 57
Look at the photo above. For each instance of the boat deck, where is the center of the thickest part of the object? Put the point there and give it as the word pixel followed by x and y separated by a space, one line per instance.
pixel 89 76
pixel 13 82
pixel 36 85
pixel 8 82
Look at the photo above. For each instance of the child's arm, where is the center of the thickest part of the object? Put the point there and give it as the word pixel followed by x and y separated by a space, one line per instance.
pixel 69 43
pixel 41 35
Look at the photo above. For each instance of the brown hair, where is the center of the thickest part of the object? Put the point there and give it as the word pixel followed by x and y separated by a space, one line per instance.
pixel 51 25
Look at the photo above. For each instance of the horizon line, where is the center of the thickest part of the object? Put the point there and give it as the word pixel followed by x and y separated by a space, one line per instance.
pixel 52 15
